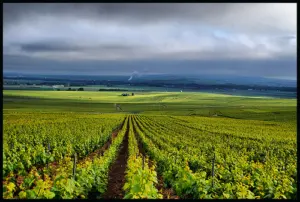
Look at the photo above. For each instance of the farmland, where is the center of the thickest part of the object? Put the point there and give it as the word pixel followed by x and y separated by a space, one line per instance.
pixel 66 145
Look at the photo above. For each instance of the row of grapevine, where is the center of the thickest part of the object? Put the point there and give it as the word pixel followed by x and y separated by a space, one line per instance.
pixel 67 180
pixel 237 174
pixel 194 156
pixel 174 173
pixel 37 144
pixel 140 177
pixel 256 150
pixel 263 130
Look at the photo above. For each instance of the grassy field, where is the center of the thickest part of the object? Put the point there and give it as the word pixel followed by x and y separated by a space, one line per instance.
pixel 154 103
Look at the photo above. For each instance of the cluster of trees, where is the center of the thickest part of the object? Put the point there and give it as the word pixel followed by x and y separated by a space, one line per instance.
pixel 127 94
pixel 79 89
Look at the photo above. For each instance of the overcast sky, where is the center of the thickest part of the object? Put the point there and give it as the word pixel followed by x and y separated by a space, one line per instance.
pixel 257 39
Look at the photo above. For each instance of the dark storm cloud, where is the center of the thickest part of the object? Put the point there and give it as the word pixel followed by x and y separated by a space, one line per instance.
pixel 64 47
pixel 285 67
pixel 40 47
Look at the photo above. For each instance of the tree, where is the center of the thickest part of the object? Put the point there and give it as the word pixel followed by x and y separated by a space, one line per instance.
pixel 80 89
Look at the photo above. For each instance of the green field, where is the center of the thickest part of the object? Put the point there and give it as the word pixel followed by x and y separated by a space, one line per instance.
pixel 203 104
pixel 183 144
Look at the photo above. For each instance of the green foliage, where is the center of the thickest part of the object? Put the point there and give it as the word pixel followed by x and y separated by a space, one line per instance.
pixel 61 183
pixel 27 139
pixel 246 166
pixel 140 179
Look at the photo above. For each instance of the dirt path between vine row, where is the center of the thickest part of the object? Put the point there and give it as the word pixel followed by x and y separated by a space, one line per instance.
pixel 168 193
pixel 116 174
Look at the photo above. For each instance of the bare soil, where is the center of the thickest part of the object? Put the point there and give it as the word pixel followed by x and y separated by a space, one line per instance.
pixel 116 175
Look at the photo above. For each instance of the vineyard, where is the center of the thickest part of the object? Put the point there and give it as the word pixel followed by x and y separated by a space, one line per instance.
pixel 94 156
pixel 149 101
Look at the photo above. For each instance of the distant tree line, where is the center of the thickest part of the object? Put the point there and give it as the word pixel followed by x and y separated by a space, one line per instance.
pixel 113 89
pixel 74 89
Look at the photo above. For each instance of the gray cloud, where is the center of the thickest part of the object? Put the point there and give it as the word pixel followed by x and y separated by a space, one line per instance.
pixel 263 16
pixel 64 47
pixel 161 32
pixel 41 47
pixel 285 67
